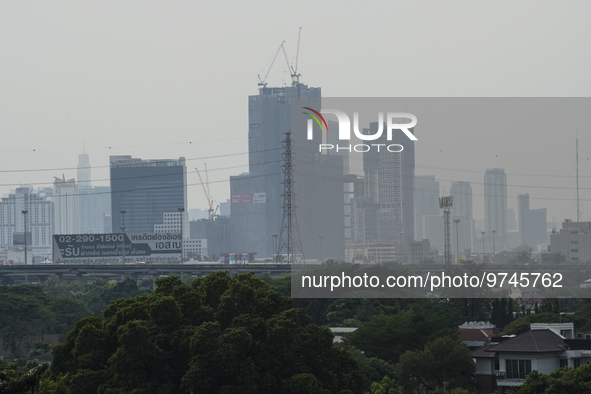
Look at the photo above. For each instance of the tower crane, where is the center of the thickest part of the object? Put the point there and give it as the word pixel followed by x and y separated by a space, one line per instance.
pixel 262 81
pixel 205 186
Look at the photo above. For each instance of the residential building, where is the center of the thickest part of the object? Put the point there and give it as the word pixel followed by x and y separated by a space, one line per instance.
pixel 545 348
pixel 39 220
pixel 145 190
pixel 370 253
pixel 195 248
pixel 572 242
pixel 66 207
pixel 173 222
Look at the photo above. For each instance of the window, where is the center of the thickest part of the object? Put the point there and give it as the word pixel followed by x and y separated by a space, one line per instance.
pixel 563 362
pixel 517 369
pixel 574 250
pixel 574 242
pixel 577 362
pixel 497 366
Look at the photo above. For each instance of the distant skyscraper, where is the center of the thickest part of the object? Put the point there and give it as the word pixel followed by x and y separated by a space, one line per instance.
pixel 39 218
pixel 426 202
pixel 94 202
pixel 462 205
pixel 495 205
pixel 84 179
pixel 532 223
pixel 145 190
pixel 388 202
pixel 66 206
pixel 257 196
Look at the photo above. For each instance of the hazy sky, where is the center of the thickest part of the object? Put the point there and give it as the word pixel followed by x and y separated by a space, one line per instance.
pixel 163 79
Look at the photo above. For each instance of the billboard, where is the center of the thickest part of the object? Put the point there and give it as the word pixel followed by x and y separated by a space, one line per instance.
pixel 107 248
pixel 249 198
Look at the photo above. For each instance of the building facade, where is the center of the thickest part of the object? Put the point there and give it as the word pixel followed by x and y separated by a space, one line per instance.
pixel 426 202
pixel 66 206
pixel 145 190
pixel 39 219
pixel 257 196
pixel 495 207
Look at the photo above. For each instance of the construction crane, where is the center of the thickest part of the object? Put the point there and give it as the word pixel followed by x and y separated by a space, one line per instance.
pixel 205 186
pixel 262 82
pixel 295 77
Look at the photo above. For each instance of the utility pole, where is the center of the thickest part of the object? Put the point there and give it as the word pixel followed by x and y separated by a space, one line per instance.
pixel 25 218
pixel 122 236
pixel 445 203
pixel 457 221
pixel 483 232
pixel 181 210
pixel 493 233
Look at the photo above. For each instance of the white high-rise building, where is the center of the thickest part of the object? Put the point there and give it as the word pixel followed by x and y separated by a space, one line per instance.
pixel 66 219
pixel 39 219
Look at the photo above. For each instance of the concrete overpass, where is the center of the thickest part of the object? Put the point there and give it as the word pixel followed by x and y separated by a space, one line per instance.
pixel 40 273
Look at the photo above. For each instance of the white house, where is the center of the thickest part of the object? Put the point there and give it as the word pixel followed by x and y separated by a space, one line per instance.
pixel 545 348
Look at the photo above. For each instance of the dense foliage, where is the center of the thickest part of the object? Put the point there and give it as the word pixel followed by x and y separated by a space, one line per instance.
pixel 564 380
pixel 28 313
pixel 221 334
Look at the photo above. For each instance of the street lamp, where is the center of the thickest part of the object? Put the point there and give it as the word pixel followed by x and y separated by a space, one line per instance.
pixel 123 236
pixel 24 212
pixel 493 233
pixel 483 232
pixel 274 239
pixel 181 210
pixel 320 237
pixel 457 221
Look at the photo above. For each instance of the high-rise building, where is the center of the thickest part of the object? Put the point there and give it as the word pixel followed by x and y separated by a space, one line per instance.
pixel 84 178
pixel 426 202
pixel 95 209
pixel 387 204
pixel 145 190
pixel 39 219
pixel 94 201
pixel 495 206
pixel 532 223
pixel 462 205
pixel 257 196
pixel 66 206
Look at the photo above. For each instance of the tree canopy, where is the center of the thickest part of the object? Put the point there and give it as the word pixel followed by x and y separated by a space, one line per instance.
pixel 221 334
pixel 389 336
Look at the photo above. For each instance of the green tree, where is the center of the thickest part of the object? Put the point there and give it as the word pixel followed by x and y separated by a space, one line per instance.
pixel 221 334
pixel 385 386
pixel 13 381
pixel 522 324
pixel 564 380
pixel 389 336
pixel 445 363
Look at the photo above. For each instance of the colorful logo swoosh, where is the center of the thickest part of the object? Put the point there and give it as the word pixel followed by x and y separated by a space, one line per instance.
pixel 316 117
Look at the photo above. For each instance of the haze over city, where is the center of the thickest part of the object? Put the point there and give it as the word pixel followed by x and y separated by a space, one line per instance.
pixel 165 81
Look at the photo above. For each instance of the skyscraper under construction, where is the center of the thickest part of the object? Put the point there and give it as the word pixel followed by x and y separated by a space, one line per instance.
pixel 257 201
